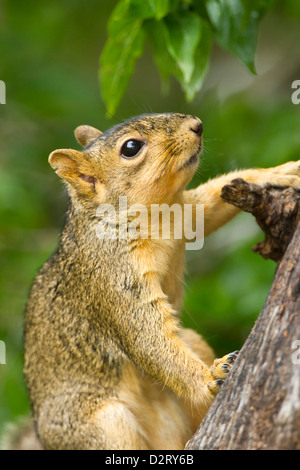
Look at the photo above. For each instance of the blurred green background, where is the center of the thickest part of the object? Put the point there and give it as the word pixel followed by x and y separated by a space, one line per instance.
pixel 49 55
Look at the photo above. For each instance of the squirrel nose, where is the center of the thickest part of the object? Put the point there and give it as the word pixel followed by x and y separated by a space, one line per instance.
pixel 192 124
pixel 197 127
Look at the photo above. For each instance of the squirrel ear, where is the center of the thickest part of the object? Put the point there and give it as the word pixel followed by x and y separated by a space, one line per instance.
pixel 65 162
pixel 85 134
pixel 73 166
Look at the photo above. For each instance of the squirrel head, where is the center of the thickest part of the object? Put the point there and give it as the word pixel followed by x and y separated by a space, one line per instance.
pixel 148 159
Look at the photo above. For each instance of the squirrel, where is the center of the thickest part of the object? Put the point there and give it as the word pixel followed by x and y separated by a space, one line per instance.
pixel 107 363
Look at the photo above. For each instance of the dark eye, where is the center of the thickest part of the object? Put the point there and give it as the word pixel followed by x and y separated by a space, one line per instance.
pixel 131 148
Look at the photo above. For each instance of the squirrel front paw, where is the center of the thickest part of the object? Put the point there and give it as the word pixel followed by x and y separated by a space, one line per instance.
pixel 219 371
pixel 286 175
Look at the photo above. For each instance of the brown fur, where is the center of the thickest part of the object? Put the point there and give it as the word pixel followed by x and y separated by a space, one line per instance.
pixel 107 364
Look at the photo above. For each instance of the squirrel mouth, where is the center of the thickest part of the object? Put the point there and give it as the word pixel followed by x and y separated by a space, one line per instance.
pixel 191 161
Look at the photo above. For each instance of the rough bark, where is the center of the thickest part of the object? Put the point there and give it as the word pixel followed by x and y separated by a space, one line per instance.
pixel 258 406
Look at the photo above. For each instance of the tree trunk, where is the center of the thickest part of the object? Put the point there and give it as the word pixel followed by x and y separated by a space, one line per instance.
pixel 258 406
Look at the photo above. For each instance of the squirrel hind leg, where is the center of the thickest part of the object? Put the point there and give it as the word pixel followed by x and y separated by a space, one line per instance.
pixel 122 431
pixel 74 425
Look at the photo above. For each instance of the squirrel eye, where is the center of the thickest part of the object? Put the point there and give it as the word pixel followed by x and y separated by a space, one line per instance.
pixel 131 148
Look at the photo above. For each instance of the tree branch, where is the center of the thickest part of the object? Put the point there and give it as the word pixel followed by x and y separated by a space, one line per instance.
pixel 258 406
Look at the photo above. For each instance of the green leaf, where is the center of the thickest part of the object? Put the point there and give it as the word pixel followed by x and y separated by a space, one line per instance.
pixel 180 38
pixel 147 9
pixel 184 31
pixel 201 60
pixel 163 7
pixel 124 46
pixel 158 35
pixel 236 25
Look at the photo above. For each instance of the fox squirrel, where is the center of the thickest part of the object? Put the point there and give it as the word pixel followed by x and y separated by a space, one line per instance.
pixel 107 363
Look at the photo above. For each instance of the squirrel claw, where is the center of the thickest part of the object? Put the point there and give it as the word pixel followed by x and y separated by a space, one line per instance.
pixel 219 371
pixel 232 356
